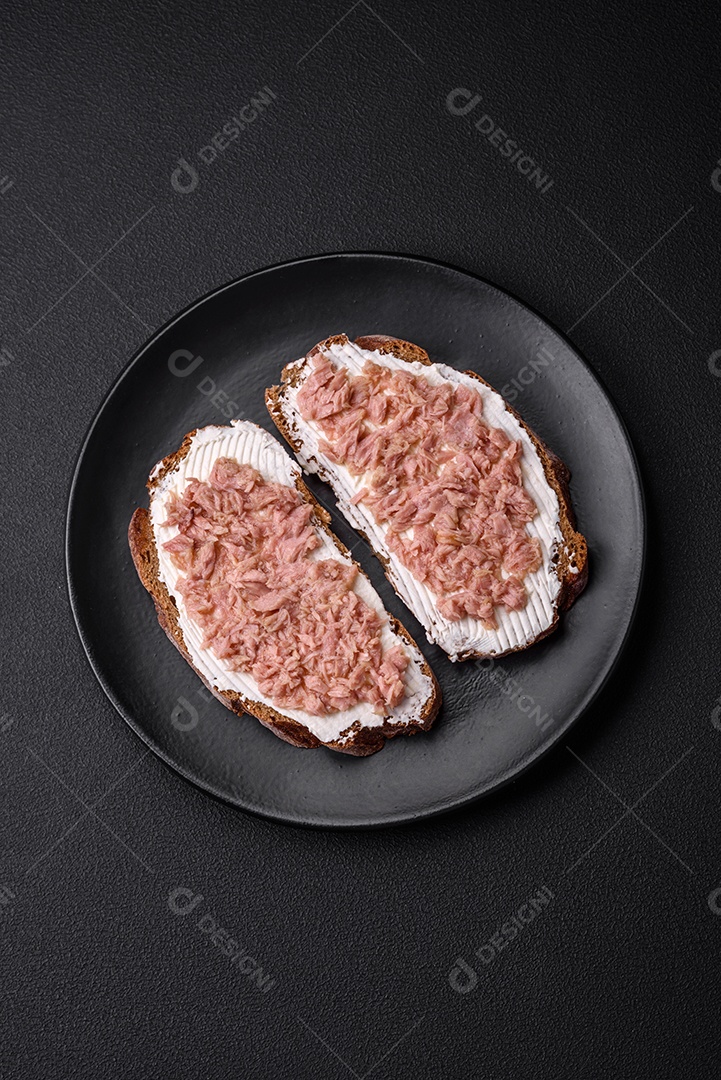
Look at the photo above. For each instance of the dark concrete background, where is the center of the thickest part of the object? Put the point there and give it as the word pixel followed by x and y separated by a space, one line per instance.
pixel 618 975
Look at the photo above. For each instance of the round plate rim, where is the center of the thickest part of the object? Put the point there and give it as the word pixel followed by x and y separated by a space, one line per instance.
pixel 389 820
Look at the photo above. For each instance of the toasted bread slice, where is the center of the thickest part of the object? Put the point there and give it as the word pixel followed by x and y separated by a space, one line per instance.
pixel 356 731
pixel 564 570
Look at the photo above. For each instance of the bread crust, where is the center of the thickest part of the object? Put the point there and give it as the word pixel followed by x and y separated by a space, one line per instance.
pixel 571 561
pixel 363 740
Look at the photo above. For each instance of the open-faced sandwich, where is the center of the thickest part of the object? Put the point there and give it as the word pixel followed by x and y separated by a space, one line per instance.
pixel 467 509
pixel 267 605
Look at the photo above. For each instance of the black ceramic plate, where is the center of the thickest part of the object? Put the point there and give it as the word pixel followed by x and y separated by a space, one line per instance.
pixel 213 362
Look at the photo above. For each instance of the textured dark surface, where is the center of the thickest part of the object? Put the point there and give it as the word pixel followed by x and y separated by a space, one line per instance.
pixel 618 974
pixel 497 716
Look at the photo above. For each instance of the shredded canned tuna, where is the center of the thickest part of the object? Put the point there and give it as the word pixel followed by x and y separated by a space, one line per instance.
pixel 266 607
pixel 445 485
